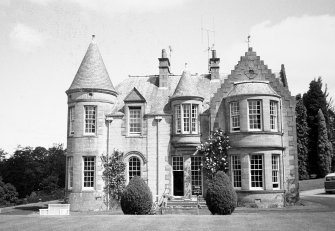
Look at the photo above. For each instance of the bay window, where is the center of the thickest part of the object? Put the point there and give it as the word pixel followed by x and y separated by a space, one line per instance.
pixel 186 118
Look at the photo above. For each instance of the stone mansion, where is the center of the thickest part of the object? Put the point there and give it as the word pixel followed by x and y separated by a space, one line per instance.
pixel 159 120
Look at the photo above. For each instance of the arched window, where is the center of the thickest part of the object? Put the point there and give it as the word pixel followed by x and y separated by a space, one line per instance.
pixel 134 167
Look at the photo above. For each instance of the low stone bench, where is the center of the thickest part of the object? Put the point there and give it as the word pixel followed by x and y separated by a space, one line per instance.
pixel 56 209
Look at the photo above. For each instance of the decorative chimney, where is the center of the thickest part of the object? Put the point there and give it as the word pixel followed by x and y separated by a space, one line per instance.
pixel 164 69
pixel 214 66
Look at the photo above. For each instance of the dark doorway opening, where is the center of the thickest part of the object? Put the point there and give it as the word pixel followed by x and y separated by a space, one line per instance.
pixel 178 183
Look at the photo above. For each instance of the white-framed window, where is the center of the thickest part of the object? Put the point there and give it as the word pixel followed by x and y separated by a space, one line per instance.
pixel 196 173
pixel 177 163
pixel 273 115
pixel 178 118
pixel 69 172
pixel 256 171
pixel 275 171
pixel 71 121
pixel 90 119
pixel 135 120
pixel 134 167
pixel 236 171
pixel 186 118
pixel 89 172
pixel 255 115
pixel 234 116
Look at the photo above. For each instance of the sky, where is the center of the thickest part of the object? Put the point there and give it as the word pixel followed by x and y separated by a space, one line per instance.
pixel 42 43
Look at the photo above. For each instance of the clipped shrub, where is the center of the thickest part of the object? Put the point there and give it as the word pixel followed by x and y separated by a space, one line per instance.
pixel 221 197
pixel 136 198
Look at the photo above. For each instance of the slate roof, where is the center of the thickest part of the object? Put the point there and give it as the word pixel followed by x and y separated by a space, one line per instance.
pixel 157 99
pixel 92 73
pixel 252 88
pixel 186 87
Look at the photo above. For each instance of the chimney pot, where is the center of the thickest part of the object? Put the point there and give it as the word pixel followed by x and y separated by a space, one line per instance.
pixel 213 53
pixel 164 55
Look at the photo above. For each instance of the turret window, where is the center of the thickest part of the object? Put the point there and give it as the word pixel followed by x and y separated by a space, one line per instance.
pixel 89 171
pixel 186 119
pixel 255 114
pixel 235 116
pixel 90 119
pixel 71 121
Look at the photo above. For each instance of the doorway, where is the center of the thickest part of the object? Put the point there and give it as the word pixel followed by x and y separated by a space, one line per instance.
pixel 178 175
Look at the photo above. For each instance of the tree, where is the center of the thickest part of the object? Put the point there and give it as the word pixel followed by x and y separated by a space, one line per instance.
pixel 114 175
pixel 324 148
pixel 137 197
pixel 8 193
pixel 221 197
pixel 302 138
pixel 314 100
pixel 215 150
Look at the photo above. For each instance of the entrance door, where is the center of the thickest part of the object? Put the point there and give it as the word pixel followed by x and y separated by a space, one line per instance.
pixel 178 175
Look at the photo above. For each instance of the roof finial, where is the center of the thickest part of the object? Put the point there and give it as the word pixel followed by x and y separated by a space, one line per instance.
pixel 249 41
pixel 93 37
pixel 185 66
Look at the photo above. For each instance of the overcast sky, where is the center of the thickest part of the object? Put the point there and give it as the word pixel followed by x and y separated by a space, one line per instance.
pixel 42 43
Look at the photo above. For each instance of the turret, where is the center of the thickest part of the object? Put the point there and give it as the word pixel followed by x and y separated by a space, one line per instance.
pixel 91 96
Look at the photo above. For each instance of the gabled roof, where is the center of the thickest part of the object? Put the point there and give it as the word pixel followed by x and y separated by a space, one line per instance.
pixel 134 96
pixel 187 87
pixel 92 73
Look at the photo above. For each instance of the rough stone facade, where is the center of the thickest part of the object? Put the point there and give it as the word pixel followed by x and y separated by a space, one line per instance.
pixel 158 121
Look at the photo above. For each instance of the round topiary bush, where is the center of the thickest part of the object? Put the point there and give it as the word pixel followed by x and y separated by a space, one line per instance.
pixel 137 197
pixel 221 197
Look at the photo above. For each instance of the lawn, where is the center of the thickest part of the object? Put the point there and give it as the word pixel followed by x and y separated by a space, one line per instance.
pixel 266 220
pixel 305 185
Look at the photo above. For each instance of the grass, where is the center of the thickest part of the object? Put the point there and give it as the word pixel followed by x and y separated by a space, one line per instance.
pixel 305 185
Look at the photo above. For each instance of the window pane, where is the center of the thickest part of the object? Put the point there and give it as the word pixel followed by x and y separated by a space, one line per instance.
pixel 90 119
pixel 177 163
pixel 275 171
pixel 186 119
pixel 255 115
pixel 178 118
pixel 256 168
pixel 194 118
pixel 71 120
pixel 135 119
pixel 134 167
pixel 273 115
pixel 236 171
pixel 89 165
pixel 235 116
pixel 196 173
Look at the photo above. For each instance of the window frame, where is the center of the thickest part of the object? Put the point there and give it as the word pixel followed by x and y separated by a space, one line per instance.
pixel 71 120
pixel 275 170
pixel 236 173
pixel 69 160
pixel 256 175
pixel 90 159
pixel 138 161
pixel 232 116
pixel 196 174
pixel 256 114
pixel 186 124
pixel 140 118
pixel 88 121
pixel 273 116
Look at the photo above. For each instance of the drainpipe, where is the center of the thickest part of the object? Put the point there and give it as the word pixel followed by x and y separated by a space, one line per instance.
pixel 158 119
pixel 108 120
pixel 282 148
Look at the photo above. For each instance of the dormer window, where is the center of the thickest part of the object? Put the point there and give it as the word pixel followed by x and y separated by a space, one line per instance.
pixel 186 118
pixel 135 120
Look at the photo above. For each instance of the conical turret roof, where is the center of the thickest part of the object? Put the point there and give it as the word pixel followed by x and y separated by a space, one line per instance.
pixel 187 87
pixel 92 73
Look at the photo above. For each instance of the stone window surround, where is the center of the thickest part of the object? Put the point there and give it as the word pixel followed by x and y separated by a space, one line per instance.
pixel 126 161
pixel 71 120
pixel 183 102
pixel 127 114
pixel 267 170
pixel 83 174
pixel 244 113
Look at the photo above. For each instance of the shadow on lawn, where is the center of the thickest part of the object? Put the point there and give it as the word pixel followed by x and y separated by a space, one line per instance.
pixel 32 208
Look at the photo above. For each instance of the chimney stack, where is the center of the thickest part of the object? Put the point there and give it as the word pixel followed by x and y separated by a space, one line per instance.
pixel 164 69
pixel 214 66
